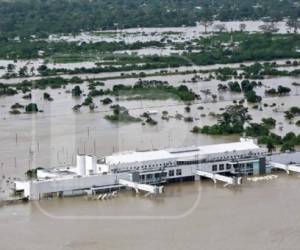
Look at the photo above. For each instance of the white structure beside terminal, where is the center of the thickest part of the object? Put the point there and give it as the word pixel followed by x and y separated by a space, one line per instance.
pixel 146 170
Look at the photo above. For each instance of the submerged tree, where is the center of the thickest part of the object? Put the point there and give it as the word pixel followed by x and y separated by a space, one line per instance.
pixel 31 108
pixel 206 16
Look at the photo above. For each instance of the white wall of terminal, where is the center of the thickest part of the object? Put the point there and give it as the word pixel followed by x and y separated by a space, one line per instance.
pixel 37 188
pixel 175 163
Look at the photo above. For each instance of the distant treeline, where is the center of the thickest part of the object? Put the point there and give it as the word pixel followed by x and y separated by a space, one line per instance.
pixel 42 17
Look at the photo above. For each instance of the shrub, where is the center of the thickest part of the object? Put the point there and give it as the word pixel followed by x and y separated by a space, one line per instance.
pixel 31 108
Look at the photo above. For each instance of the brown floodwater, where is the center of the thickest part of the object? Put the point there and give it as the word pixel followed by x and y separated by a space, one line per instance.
pixel 257 215
pixel 52 138
pixel 191 215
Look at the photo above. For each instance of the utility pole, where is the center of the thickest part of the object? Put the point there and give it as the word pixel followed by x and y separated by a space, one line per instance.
pixel 94 147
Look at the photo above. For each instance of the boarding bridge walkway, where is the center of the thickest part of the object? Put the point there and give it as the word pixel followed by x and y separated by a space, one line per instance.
pixel 219 177
pixel 142 187
pixel 286 167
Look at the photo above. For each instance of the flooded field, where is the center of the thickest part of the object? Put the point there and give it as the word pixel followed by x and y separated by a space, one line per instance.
pixel 190 215
pixel 175 34
pixel 131 74
pixel 168 37
pixel 52 138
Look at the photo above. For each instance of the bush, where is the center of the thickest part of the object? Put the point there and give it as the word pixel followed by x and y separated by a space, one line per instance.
pixel 17 106
pixel 269 122
pixel 31 108
pixel 15 112
pixel 87 101
pixel 76 91
pixel 234 87
pixel 106 101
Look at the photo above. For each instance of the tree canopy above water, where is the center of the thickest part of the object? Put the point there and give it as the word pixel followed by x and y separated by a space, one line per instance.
pixel 41 17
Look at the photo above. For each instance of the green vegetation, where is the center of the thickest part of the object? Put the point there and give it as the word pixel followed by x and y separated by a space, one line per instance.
pixel 106 101
pixel 236 120
pixel 121 114
pixel 252 97
pixel 52 82
pixel 287 142
pixel 249 46
pixel 281 90
pixel 246 87
pixel 231 122
pixel 292 113
pixel 269 122
pixel 15 112
pixel 234 87
pixel 24 17
pixel 47 96
pixel 153 90
pixel 76 91
pixel 17 106
pixel 122 63
pixel 31 108
pixel 87 101
pixel 6 90
pixel 63 51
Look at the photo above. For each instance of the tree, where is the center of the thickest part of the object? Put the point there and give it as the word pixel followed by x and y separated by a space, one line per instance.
pixel 87 101
pixel 31 108
pixel 76 91
pixel 214 97
pixel 269 27
pixel 42 69
pixel 270 146
pixel 47 96
pixel 219 27
pixel 106 101
pixel 293 22
pixel 269 122
pixel 206 16
pixel 242 27
pixel 252 97
pixel 23 71
pixel 287 146
pixel 234 87
pixel 234 118
pixel 11 67
pixel 283 90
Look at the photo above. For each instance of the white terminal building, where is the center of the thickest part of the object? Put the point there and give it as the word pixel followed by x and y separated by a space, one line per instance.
pixel 145 170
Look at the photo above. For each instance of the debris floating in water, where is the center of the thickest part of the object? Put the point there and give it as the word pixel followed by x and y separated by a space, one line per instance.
pixel 262 178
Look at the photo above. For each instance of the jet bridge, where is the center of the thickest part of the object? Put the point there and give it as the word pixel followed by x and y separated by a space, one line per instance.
pixel 286 167
pixel 141 187
pixel 218 177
